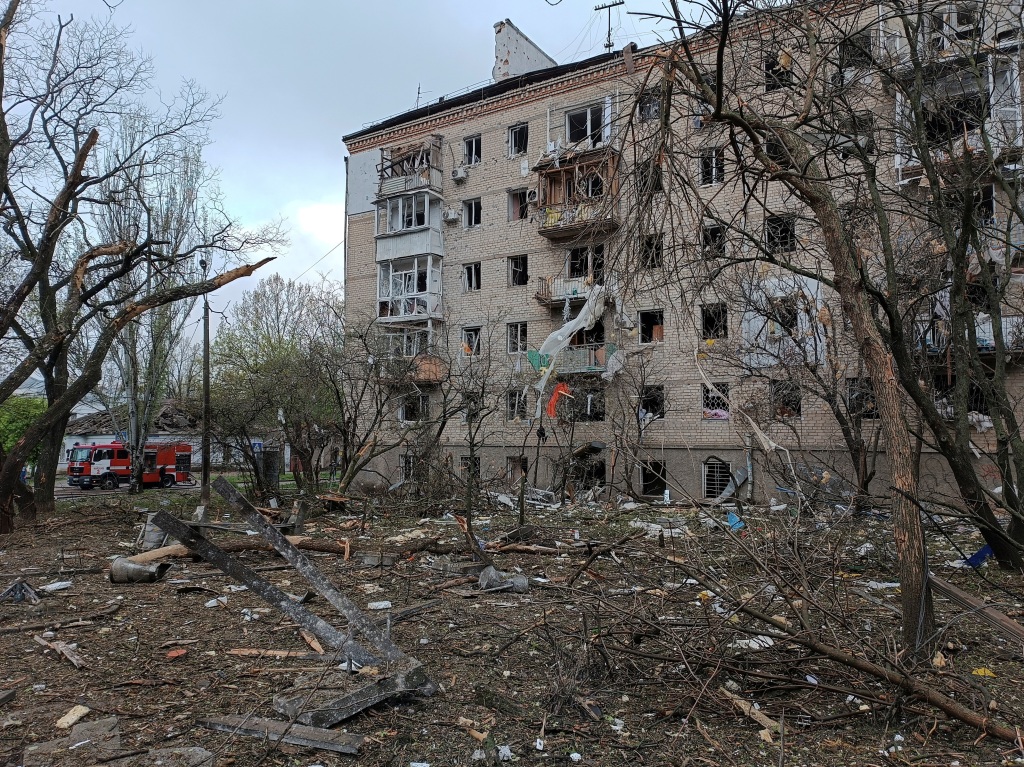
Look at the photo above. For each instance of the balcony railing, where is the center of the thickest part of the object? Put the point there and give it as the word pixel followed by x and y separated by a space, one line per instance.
pixel 426 178
pixel 554 290
pixel 587 358
pixel 410 242
pixel 934 336
pixel 569 220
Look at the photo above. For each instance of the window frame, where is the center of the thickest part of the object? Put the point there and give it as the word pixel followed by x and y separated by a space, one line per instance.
pixel 590 130
pixel 513 130
pixel 518 273
pixel 472 339
pixel 776 76
pixel 653 478
pixel 472 212
pixel 472 277
pixel 780 233
pixel 713 246
pixel 515 405
pixel 519 344
pixel 711 164
pixel 715 399
pixel 656 395
pixel 518 204
pixel 648 105
pixel 640 322
pixel 652 251
pixel 717 462
pixel 421 408
pixel 718 311
pixel 472 149
pixel 779 391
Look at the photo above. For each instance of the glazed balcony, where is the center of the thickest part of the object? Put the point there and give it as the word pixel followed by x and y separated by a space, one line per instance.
pixel 570 220
pixel 934 336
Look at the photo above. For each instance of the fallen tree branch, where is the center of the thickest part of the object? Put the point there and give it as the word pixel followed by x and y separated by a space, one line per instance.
pixel 299 541
pixel 908 684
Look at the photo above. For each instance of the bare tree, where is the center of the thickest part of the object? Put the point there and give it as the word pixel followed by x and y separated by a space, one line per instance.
pixel 67 89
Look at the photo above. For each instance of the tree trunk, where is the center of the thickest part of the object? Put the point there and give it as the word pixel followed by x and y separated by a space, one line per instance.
pixel 50 450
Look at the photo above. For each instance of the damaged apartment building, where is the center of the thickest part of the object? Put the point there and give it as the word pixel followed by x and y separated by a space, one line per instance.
pixel 565 228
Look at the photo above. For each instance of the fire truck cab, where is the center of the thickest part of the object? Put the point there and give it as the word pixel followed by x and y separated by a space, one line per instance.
pixel 108 465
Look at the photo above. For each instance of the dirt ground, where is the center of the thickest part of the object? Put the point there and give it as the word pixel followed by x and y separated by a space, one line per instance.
pixel 612 656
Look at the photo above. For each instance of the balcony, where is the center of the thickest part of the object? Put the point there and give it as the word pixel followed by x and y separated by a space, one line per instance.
pixel 934 336
pixel 410 168
pixel 562 222
pixel 426 179
pixel 586 358
pixel 553 291
pixel 410 307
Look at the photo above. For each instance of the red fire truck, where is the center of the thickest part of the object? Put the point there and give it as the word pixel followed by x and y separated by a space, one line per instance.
pixel 109 464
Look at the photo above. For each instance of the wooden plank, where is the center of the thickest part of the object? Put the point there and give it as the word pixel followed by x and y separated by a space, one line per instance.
pixel 747 708
pixel 263 588
pixel 999 621
pixel 296 734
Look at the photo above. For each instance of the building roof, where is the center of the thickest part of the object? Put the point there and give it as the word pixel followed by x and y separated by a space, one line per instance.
pixel 446 103
pixel 169 419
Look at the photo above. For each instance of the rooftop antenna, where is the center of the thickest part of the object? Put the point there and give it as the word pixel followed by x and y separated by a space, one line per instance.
pixel 608 6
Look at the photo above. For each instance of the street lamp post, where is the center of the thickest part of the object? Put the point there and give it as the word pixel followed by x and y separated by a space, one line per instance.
pixel 204 495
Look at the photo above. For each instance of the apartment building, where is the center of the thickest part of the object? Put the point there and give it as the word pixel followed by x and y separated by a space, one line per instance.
pixel 563 227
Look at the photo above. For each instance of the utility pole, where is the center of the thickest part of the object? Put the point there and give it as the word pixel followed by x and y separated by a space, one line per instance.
pixel 608 6
pixel 204 493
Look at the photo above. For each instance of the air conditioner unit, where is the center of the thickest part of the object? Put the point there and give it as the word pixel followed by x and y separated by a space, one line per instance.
pixel 459 174
pixel 532 196
pixel 451 215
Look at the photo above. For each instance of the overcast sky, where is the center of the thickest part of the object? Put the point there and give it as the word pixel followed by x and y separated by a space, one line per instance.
pixel 297 75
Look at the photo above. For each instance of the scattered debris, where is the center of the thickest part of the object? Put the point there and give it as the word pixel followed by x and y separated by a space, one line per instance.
pixel 124 570
pixel 63 649
pixel 20 591
pixel 72 717
pixel 495 580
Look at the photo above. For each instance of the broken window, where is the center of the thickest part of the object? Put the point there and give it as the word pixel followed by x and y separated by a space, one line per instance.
pixel 775 150
pixel 515 405
pixel 652 402
pixel 408 467
pixel 943 27
pixel 403 286
pixel 778 71
pixel 470 466
pixel 518 139
pixel 406 342
pixel 860 398
pixel 786 399
pixel 714 321
pixel 715 402
pixel 516 467
pixel 587 263
pixel 784 317
pixel 415 407
pixel 717 476
pixel 585 125
pixel 652 478
pixel 712 240
pixel 516 335
pixel 943 391
pixel 855 51
pixel 518 205
pixel 585 337
pixel 780 233
pixel 648 105
pixel 470 342
pixel 404 212
pixel 712 165
pixel 652 251
pixel 950 120
pixel 649 178
pixel 471 150
pixel 471 276
pixel 472 211
pixel 652 326
pixel 518 273
pixel 585 404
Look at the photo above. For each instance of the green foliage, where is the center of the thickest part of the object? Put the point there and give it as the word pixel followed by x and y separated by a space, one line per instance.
pixel 16 415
